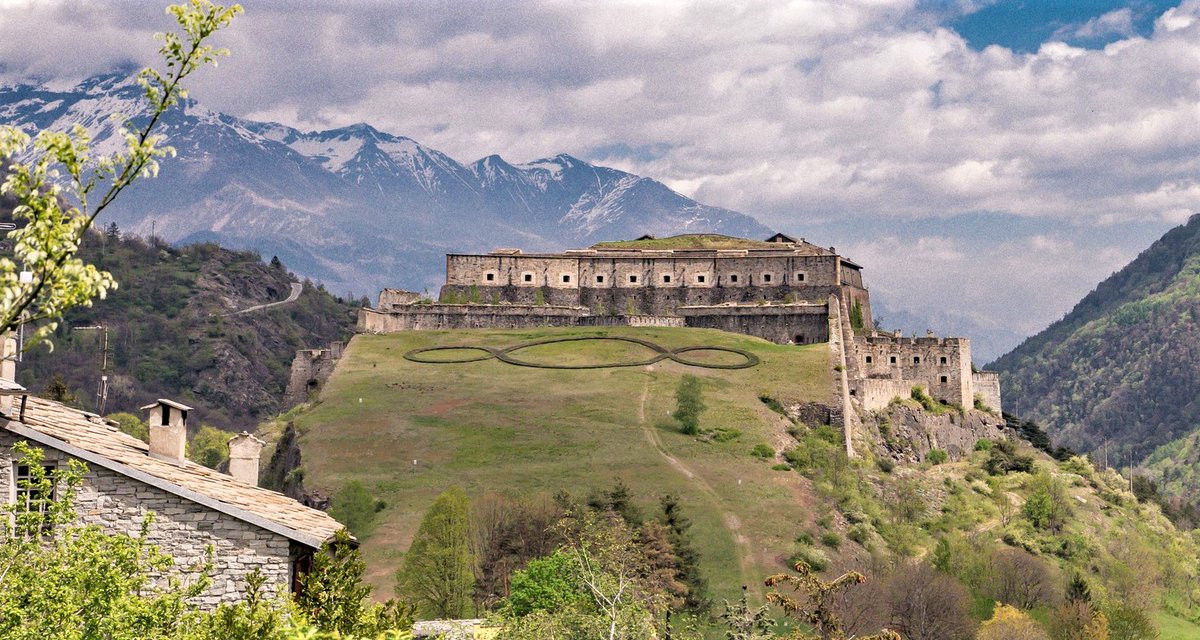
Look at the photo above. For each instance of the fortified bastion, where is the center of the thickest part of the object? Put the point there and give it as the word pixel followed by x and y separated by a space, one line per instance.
pixel 781 289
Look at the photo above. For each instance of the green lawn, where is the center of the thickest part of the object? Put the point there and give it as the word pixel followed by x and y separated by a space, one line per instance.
pixel 409 430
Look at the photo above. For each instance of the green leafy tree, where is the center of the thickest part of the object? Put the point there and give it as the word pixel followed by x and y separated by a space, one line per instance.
pixel 60 187
pixel 1128 622
pixel 689 404
pixel 58 391
pixel 131 425
pixel 209 447
pixel 545 584
pixel 333 597
pixel 1048 506
pixel 438 575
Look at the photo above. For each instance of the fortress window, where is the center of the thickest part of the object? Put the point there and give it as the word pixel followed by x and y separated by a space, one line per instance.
pixel 945 379
pixel 490 277
pixel 766 277
pixel 916 359
pixel 666 277
pixel 527 277
pixel 868 359
pixel 599 279
pixel 700 279
pixel 799 276
pixel 733 278
pixel 943 360
pixel 566 278
pixel 632 279
pixel 892 359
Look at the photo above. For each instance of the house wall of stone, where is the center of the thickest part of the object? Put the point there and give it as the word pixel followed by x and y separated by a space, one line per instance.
pixel 181 528
pixel 987 387
pixel 874 394
pixel 464 316
pixel 942 365
pixel 782 324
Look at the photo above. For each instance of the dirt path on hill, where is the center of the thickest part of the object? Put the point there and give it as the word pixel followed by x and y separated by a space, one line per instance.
pixel 728 518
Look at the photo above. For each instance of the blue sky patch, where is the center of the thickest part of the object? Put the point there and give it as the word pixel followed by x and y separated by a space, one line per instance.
pixel 1024 25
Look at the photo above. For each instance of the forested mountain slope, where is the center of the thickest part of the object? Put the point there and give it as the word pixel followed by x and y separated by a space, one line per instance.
pixel 1124 365
pixel 170 334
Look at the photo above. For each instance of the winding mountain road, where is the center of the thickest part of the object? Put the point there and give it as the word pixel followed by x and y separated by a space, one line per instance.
pixel 297 288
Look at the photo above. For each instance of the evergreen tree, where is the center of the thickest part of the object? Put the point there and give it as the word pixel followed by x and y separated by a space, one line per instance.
pixel 438 575
pixel 687 567
pixel 689 404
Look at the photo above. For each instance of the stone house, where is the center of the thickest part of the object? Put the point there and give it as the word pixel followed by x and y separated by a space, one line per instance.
pixel 194 507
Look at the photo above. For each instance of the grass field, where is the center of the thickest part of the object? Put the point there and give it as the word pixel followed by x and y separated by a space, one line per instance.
pixel 410 430
pixel 1173 628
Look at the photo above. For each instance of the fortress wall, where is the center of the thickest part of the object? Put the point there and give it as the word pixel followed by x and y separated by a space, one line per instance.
pixel 560 272
pixel 781 324
pixel 987 386
pixel 942 365
pixel 310 369
pixel 462 316
pixel 631 321
pixel 389 298
pixel 874 394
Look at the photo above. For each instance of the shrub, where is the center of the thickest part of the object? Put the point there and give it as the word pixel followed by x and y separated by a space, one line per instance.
pixel 1048 506
pixel 725 434
pixel 860 533
pixel 782 466
pixel 983 444
pixel 773 404
pixel 816 559
pixel 928 403
pixel 980 405
pixel 937 456
pixel 763 451
pixel 805 538
pixel 355 507
pixel 1127 622
pixel 831 540
pixel 1003 459
pixel 885 464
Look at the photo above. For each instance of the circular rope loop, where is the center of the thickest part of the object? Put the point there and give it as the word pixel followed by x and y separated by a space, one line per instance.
pixel 661 353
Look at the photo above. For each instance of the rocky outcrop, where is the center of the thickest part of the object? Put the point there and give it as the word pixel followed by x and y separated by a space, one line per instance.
pixel 905 432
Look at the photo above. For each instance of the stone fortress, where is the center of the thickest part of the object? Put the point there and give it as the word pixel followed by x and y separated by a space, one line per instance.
pixel 783 289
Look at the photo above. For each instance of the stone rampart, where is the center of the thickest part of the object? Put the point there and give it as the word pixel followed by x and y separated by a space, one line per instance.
pixel 466 316
pixel 782 324
pixel 942 365
pixel 631 321
pixel 182 529
pixel 389 298
pixel 987 387
pixel 874 394
pixel 310 369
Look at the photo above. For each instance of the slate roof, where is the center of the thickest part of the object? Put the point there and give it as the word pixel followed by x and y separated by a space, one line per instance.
pixel 89 438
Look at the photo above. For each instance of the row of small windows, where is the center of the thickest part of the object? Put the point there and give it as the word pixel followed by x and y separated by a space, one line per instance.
pixel 700 278
pixel 916 360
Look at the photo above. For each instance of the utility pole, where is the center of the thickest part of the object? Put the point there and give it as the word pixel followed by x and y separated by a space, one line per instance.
pixel 102 383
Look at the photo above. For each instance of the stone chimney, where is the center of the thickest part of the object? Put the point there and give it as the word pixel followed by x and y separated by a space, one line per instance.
pixel 244 450
pixel 168 429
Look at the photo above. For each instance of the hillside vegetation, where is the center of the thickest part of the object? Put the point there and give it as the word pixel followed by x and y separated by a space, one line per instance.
pixel 170 333
pixel 763 489
pixel 1124 365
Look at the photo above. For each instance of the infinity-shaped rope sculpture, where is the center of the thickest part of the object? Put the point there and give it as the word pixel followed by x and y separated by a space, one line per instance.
pixel 662 353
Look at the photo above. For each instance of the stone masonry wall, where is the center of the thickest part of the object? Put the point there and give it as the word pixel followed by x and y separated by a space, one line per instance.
pixel 987 387
pixel 874 394
pixel 310 369
pixel 464 316
pixel 942 365
pixel 782 324
pixel 181 528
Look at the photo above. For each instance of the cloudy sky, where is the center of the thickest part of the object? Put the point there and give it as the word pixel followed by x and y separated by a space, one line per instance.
pixel 988 162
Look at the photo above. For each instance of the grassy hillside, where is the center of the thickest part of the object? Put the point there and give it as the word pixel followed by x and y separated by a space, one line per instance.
pixel 170 334
pixel 1124 365
pixel 410 430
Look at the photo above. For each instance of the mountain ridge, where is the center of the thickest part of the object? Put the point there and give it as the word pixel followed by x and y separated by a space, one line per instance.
pixel 354 206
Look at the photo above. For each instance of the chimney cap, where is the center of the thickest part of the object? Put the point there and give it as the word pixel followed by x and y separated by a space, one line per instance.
pixel 246 435
pixel 169 403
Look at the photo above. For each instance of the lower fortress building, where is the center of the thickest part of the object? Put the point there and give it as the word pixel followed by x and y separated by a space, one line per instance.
pixel 782 289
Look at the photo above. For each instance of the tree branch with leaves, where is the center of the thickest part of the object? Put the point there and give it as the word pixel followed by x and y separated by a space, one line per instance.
pixel 60 187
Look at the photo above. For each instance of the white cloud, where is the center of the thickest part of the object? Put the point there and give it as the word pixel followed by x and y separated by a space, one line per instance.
pixel 797 113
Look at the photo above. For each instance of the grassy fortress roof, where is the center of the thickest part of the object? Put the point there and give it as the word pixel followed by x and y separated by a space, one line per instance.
pixel 701 241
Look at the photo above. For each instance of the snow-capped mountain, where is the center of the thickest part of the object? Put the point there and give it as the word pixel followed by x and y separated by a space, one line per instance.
pixel 355 207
